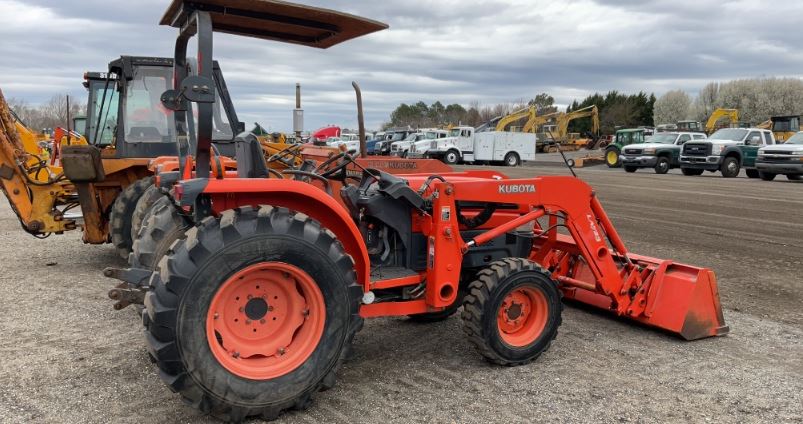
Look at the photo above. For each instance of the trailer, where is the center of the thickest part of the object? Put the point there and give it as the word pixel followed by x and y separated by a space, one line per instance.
pixel 464 144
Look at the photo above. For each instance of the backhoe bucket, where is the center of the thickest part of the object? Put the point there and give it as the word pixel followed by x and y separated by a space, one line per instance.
pixel 678 298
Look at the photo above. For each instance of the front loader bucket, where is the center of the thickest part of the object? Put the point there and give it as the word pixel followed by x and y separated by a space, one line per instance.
pixel 678 298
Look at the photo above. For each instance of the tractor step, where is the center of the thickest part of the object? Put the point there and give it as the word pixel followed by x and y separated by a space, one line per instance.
pixel 391 273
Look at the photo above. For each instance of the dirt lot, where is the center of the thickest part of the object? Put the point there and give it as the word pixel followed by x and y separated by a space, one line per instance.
pixel 66 356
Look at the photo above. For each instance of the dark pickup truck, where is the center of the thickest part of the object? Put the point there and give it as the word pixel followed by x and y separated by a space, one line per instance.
pixel 728 151
pixel 661 152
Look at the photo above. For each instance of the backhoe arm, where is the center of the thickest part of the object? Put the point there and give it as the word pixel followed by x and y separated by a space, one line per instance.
pixel 30 185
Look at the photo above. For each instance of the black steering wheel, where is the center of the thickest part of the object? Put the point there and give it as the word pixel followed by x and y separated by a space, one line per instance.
pixel 338 171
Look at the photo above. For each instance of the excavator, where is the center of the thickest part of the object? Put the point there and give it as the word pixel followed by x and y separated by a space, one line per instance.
pixel 573 141
pixel 720 113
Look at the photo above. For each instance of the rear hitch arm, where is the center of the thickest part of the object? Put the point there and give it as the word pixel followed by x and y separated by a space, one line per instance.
pixel 132 289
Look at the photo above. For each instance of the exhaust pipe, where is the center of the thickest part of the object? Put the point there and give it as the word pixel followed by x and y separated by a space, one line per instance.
pixel 360 120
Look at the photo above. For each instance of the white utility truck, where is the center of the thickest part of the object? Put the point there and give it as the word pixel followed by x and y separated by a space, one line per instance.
pixel 466 145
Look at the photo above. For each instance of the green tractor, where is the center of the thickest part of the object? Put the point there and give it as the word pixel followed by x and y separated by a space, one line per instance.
pixel 623 138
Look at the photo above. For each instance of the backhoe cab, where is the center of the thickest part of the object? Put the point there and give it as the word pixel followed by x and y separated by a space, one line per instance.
pixel 255 305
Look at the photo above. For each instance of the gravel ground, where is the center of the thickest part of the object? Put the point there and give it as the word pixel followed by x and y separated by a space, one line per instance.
pixel 67 356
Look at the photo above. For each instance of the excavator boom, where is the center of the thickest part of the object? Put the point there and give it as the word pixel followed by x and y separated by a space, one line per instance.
pixel 719 113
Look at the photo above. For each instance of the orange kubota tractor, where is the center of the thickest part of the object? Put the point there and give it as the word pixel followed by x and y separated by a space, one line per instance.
pixel 255 309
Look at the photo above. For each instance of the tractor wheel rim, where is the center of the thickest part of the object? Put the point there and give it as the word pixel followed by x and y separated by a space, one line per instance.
pixel 611 157
pixel 265 320
pixel 522 316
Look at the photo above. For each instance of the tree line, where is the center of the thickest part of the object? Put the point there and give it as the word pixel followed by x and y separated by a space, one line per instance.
pixel 421 115
pixel 48 115
pixel 616 110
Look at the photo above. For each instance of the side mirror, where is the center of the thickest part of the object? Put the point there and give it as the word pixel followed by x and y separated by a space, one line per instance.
pixel 240 127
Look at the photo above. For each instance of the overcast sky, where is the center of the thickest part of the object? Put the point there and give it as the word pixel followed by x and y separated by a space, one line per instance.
pixel 454 51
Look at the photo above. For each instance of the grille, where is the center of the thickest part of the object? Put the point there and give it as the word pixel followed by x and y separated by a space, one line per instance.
pixel 785 158
pixel 697 149
pixel 633 151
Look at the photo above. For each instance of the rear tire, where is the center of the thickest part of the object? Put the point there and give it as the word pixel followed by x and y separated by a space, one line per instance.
pixel 511 159
pixel 193 281
pixel 122 212
pixel 691 172
pixel 524 330
pixel 631 169
pixel 141 211
pixel 767 176
pixel 730 167
pixel 163 226
pixel 662 167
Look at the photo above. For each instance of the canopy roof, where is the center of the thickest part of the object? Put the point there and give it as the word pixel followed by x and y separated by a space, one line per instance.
pixel 275 20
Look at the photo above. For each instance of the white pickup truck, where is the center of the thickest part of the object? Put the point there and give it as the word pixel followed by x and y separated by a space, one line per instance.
pixel 465 145
pixel 401 148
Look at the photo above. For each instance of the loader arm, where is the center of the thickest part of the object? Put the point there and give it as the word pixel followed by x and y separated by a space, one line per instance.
pixel 32 187
pixel 591 262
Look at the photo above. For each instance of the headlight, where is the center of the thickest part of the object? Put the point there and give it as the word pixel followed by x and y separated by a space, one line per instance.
pixel 649 151
pixel 760 153
pixel 798 153
pixel 716 149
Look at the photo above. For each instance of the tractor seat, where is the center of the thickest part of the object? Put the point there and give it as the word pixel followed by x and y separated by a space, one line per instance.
pixel 397 188
pixel 250 157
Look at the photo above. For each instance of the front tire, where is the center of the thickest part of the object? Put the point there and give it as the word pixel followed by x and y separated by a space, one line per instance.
pixel 691 172
pixel 730 167
pixel 451 157
pixel 631 169
pixel 253 313
pixel 512 312
pixel 794 177
pixel 752 173
pixel 767 176
pixel 120 219
pixel 612 158
pixel 662 166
